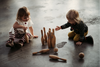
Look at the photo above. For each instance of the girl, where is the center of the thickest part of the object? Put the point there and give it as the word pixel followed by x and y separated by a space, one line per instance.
pixel 20 28
pixel 78 29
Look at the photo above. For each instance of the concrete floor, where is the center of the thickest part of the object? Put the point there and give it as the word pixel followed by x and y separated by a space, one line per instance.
pixel 49 14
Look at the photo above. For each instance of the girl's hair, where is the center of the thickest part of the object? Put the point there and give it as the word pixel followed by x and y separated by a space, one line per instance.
pixel 23 11
pixel 73 15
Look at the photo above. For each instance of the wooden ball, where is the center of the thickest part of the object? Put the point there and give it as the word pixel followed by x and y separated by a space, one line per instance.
pixel 81 55
pixel 55 50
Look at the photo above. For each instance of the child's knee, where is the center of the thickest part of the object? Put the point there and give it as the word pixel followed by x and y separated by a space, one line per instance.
pixel 71 34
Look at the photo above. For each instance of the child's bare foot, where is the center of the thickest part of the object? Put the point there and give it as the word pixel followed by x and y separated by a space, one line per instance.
pixel 78 43
pixel 35 36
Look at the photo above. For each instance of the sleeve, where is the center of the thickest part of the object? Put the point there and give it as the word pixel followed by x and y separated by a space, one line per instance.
pixel 65 25
pixel 81 31
pixel 11 30
pixel 30 23
pixel 17 21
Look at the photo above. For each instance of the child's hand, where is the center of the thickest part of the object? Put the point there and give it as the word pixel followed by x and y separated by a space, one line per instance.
pixel 25 28
pixel 58 28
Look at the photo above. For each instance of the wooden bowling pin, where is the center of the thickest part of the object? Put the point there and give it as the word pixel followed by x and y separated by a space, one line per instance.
pixel 53 31
pixel 45 36
pixel 50 36
pixel 42 39
pixel 52 40
pixel 26 37
pixel 42 51
pixel 48 40
pixel 56 57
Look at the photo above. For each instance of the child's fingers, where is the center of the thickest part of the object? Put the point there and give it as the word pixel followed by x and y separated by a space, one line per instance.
pixel 56 29
pixel 57 26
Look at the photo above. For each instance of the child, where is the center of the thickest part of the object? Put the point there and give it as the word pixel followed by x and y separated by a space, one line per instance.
pixel 78 28
pixel 20 28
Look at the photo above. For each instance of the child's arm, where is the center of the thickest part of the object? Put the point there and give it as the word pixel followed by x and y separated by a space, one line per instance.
pixel 58 28
pixel 16 25
pixel 63 26
pixel 31 31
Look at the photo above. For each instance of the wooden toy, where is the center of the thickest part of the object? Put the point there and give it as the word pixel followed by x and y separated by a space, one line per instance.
pixel 49 38
pixel 55 50
pixel 81 55
pixel 42 38
pixel 42 51
pixel 26 37
pixel 56 58
pixel 45 36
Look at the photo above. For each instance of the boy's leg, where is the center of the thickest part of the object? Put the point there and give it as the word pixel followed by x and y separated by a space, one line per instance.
pixel 71 34
pixel 77 36
pixel 85 33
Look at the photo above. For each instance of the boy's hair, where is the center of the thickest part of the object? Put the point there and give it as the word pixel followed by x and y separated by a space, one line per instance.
pixel 73 15
pixel 23 11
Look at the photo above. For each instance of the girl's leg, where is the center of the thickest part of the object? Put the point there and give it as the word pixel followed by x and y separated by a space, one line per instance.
pixel 20 44
pixel 71 34
pixel 10 42
pixel 29 36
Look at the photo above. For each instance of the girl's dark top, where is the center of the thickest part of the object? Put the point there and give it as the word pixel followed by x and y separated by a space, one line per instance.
pixel 80 28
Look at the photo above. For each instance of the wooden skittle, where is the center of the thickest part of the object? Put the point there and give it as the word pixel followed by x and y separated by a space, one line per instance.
pixel 42 51
pixel 53 31
pixel 26 37
pixel 52 40
pixel 50 37
pixel 48 40
pixel 34 53
pixel 56 58
pixel 42 38
pixel 45 36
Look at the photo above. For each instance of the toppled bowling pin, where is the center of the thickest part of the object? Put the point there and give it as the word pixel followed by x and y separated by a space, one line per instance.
pixel 42 51
pixel 56 57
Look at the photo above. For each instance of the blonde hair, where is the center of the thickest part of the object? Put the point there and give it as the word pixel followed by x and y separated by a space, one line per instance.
pixel 73 15
pixel 23 11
